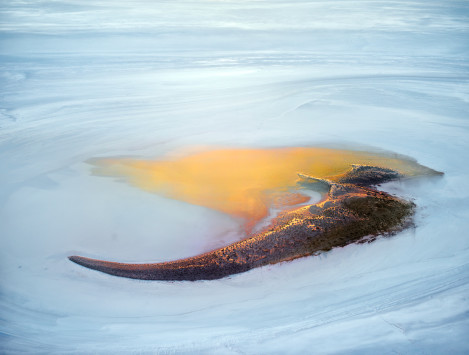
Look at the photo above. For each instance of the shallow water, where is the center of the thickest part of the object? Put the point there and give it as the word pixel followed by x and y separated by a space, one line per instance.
pixel 245 183
pixel 143 79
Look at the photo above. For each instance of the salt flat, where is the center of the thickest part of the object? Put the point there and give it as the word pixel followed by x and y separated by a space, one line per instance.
pixel 144 79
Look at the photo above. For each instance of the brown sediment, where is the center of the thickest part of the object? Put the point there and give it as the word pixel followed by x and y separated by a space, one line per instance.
pixel 351 211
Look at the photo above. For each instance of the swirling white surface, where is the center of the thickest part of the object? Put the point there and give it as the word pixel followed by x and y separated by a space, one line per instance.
pixel 145 78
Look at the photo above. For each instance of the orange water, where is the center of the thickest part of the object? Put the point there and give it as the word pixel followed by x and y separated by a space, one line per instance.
pixel 244 183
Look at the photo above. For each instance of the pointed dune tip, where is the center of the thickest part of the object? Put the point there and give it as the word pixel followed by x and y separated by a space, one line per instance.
pixel 80 260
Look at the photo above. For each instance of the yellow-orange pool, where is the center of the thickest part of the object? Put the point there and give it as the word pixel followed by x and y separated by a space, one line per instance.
pixel 244 183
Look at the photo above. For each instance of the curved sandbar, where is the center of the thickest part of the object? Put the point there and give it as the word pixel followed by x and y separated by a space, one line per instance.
pixel 352 210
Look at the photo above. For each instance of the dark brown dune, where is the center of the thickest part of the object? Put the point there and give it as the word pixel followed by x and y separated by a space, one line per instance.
pixel 351 211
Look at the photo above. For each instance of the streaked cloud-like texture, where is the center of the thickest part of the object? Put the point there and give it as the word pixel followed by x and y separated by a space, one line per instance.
pixel 141 80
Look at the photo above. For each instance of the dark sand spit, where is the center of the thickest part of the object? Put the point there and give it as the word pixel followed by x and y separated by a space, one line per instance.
pixel 352 210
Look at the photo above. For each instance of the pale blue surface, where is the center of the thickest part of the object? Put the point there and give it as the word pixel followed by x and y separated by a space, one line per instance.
pixel 143 78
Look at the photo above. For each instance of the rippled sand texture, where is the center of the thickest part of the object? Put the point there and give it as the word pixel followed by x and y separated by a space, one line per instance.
pixel 143 79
